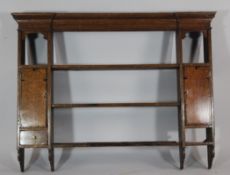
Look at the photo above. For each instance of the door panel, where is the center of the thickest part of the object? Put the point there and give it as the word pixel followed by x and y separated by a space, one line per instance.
pixel 32 107
pixel 197 86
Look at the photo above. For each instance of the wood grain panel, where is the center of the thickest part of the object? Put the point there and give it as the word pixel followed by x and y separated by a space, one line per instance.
pixel 32 109
pixel 113 21
pixel 197 95
pixel 33 138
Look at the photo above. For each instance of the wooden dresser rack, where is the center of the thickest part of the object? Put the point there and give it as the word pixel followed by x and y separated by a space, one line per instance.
pixel 35 89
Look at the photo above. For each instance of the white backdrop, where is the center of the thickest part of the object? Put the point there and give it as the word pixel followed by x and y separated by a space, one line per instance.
pixel 103 86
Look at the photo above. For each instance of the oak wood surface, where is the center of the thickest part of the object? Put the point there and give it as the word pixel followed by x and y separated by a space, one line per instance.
pixel 33 138
pixel 33 98
pixel 35 87
pixel 113 21
pixel 197 95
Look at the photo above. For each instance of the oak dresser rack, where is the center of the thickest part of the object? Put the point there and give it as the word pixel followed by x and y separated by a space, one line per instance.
pixel 35 88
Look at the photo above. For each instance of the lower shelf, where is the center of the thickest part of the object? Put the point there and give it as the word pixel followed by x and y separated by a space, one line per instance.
pixel 113 144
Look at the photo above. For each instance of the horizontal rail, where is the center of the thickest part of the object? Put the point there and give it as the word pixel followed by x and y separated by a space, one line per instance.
pixel 111 144
pixel 197 64
pixel 115 67
pixel 204 143
pixel 32 128
pixel 33 146
pixel 114 24
pixel 140 143
pixel 158 104
pixel 36 66
pixel 192 126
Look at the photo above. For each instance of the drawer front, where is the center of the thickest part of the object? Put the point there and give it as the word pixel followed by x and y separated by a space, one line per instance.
pixel 33 138
pixel 198 100
pixel 33 88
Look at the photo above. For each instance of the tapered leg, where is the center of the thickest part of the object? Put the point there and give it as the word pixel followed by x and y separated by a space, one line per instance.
pixel 51 158
pixel 210 148
pixel 21 157
pixel 182 156
pixel 211 155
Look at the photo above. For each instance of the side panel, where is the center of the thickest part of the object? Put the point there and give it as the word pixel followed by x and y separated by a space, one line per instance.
pixel 197 95
pixel 32 107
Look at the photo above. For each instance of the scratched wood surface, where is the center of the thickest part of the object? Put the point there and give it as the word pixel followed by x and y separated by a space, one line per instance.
pixel 33 98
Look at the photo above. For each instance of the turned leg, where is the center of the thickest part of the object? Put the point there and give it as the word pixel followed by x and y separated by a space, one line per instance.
pixel 51 158
pixel 182 156
pixel 21 157
pixel 210 148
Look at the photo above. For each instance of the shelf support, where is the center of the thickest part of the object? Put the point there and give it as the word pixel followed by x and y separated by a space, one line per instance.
pixel 49 99
pixel 181 117
pixel 210 132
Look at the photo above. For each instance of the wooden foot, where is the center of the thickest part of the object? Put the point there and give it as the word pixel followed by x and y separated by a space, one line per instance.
pixel 51 158
pixel 210 148
pixel 182 157
pixel 211 155
pixel 21 157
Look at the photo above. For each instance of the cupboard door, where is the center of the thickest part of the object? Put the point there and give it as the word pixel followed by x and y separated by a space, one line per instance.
pixel 32 107
pixel 198 106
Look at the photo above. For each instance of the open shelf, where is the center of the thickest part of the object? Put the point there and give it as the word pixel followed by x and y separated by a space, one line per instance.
pixel 140 104
pixel 115 67
pixel 41 62
pixel 111 144
pixel 137 143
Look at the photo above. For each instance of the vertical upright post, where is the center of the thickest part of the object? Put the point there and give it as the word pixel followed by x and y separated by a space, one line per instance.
pixel 210 131
pixel 179 36
pixel 49 99
pixel 21 60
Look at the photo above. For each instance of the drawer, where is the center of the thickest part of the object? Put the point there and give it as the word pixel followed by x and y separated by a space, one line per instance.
pixel 33 138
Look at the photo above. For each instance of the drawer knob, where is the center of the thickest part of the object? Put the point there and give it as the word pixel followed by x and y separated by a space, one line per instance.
pixel 34 137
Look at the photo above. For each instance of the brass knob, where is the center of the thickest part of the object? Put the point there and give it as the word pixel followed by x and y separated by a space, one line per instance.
pixel 34 137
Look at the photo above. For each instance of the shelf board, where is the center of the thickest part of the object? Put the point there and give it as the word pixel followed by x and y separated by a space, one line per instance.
pixel 115 67
pixel 111 144
pixel 139 143
pixel 143 104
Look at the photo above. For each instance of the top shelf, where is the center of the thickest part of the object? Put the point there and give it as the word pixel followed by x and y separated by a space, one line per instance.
pixel 69 15
pixel 113 21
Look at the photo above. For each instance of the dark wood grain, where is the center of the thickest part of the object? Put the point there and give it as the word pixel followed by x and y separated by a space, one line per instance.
pixel 111 144
pixel 33 98
pixel 197 95
pixel 140 104
pixel 35 123
pixel 140 143
pixel 113 21
pixel 180 87
pixel 115 67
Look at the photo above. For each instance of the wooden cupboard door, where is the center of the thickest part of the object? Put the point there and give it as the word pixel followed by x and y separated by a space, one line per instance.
pixel 32 103
pixel 198 100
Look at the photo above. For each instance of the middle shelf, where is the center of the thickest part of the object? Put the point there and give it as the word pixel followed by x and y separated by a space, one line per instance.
pixel 133 104
pixel 115 67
